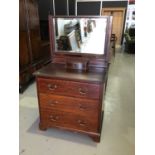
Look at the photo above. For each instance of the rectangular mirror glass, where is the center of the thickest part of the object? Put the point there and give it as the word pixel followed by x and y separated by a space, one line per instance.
pixel 80 35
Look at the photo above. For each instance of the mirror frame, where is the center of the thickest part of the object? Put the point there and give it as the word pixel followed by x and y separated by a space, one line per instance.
pixel 58 53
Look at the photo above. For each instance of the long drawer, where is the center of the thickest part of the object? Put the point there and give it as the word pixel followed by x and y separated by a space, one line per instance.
pixel 68 120
pixel 69 88
pixel 69 104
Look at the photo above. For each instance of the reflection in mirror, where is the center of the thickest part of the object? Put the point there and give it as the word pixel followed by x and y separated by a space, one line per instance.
pixel 81 35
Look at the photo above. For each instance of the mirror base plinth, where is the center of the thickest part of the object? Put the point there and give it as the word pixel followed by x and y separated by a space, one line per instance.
pixel 79 65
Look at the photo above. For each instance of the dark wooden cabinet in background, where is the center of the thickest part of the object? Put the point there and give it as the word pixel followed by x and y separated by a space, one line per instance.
pixel 44 8
pixel 33 52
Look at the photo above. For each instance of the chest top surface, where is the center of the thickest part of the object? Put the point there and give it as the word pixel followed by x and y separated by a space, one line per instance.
pixel 60 72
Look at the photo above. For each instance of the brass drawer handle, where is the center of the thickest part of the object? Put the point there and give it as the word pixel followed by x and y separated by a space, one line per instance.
pixel 54 118
pixel 81 107
pixel 83 91
pixel 52 103
pixel 52 86
pixel 81 123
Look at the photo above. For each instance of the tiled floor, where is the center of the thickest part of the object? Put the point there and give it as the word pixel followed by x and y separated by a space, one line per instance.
pixel 118 124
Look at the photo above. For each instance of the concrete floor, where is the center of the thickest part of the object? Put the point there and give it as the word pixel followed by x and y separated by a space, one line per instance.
pixel 118 131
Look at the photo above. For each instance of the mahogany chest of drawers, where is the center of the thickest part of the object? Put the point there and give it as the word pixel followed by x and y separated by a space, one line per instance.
pixel 70 100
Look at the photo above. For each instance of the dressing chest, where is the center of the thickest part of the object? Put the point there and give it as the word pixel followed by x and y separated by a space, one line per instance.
pixel 71 96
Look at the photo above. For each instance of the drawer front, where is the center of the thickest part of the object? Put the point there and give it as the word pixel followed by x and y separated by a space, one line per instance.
pixel 69 88
pixel 69 104
pixel 68 120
